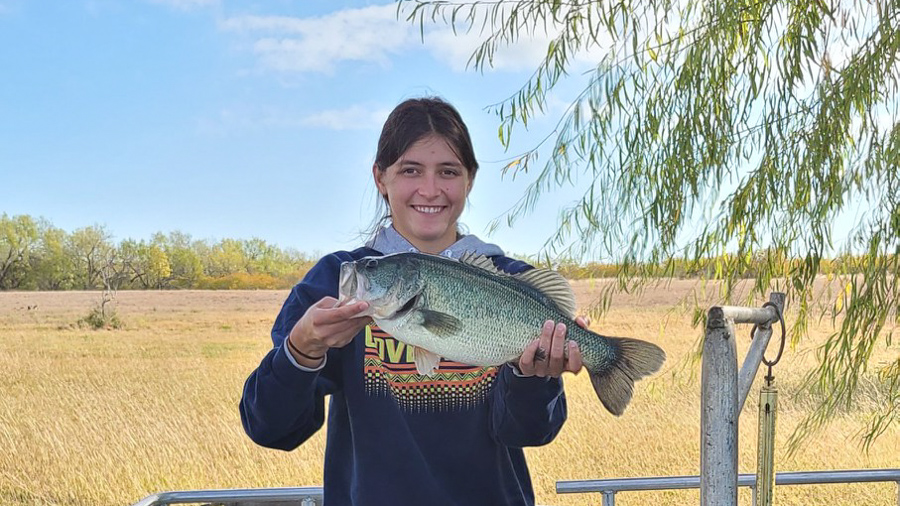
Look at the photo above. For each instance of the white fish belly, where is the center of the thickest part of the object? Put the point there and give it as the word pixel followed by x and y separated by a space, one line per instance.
pixel 474 344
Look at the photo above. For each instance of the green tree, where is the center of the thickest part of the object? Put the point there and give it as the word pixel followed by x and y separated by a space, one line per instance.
pixel 19 237
pixel 265 258
pixel 158 268
pixel 226 257
pixel 184 259
pixel 90 250
pixel 715 130
pixel 52 267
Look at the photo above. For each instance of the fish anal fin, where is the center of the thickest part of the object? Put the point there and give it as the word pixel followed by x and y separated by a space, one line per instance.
pixel 553 285
pixel 426 361
pixel 440 324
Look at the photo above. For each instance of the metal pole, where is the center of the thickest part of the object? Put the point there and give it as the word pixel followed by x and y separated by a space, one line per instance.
pixel 751 364
pixel 718 413
pixel 609 498
pixel 765 453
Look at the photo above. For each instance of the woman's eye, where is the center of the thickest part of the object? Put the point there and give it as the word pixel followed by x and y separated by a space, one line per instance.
pixel 408 170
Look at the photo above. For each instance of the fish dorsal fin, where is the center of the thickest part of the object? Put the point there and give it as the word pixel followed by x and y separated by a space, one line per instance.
pixel 480 261
pixel 553 285
pixel 550 283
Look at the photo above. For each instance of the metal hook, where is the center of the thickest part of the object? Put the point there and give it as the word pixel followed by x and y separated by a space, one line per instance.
pixel 770 363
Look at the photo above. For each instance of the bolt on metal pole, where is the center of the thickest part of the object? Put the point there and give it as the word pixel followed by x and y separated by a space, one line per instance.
pixel 718 413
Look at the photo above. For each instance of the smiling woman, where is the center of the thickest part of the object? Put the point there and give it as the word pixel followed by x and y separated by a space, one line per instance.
pixel 426 190
pixel 387 423
pixel 425 184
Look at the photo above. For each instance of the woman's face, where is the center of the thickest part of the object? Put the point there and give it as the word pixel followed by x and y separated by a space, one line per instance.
pixel 426 190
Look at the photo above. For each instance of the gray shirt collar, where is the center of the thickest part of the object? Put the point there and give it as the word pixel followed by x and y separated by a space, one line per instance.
pixel 388 241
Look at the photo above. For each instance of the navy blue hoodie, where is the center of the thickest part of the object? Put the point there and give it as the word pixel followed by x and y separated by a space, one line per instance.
pixel 394 436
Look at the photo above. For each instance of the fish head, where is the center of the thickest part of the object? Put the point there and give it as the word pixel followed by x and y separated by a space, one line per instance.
pixel 388 283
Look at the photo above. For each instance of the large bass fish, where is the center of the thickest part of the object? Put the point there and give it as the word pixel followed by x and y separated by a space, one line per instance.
pixel 469 311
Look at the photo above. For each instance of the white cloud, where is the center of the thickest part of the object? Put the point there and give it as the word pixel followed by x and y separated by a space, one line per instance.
pixel 370 34
pixel 242 118
pixel 352 118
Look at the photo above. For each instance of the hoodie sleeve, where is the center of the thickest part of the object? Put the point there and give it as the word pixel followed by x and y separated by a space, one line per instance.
pixel 283 405
pixel 525 411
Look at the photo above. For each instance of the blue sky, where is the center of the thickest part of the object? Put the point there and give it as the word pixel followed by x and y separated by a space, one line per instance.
pixel 237 119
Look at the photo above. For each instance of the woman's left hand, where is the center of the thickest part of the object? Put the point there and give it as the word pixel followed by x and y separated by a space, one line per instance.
pixel 555 358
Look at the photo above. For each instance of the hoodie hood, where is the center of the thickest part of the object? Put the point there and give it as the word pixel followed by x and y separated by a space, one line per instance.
pixel 388 241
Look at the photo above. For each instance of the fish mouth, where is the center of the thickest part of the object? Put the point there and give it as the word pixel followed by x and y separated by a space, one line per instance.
pixel 348 285
pixel 353 286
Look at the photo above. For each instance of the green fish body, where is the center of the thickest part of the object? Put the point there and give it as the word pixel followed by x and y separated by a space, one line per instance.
pixel 468 311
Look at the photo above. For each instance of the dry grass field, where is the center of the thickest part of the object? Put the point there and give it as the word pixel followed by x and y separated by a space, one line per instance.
pixel 107 417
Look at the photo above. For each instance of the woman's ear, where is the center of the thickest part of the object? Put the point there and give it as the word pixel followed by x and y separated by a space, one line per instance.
pixel 377 175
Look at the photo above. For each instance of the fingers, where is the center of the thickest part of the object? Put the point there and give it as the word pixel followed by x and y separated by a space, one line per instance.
pixel 583 321
pixel 574 362
pixel 328 310
pixel 527 360
pixel 328 325
pixel 551 354
pixel 557 360
pixel 545 340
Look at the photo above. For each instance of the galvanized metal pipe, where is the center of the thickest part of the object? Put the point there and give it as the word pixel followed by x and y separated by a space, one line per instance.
pixel 751 364
pixel 757 350
pixel 244 496
pixel 757 315
pixel 718 413
pixel 609 487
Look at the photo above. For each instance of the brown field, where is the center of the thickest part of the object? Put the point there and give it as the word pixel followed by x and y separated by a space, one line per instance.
pixel 107 417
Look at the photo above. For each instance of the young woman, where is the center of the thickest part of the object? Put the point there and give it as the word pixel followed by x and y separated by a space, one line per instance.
pixel 394 436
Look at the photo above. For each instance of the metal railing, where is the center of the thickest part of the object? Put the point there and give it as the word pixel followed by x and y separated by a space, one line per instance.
pixel 288 496
pixel 610 487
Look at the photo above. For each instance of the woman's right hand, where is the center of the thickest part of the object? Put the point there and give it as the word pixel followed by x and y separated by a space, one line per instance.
pixel 324 326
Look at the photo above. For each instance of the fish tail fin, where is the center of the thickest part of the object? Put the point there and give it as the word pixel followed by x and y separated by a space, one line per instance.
pixel 634 360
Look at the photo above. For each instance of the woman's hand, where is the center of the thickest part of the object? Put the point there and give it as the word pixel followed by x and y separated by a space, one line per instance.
pixel 326 325
pixel 554 358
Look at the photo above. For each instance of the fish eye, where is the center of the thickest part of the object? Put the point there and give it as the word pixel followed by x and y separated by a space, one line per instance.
pixel 371 263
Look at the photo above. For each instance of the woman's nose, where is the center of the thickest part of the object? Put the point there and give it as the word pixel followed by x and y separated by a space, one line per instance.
pixel 429 186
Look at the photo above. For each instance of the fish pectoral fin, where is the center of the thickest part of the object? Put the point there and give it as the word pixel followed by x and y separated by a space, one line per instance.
pixel 426 361
pixel 440 324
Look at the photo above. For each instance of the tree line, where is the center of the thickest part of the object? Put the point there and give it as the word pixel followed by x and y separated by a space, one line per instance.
pixel 35 255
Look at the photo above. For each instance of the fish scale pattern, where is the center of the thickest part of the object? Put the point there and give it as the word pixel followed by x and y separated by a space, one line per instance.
pixel 498 314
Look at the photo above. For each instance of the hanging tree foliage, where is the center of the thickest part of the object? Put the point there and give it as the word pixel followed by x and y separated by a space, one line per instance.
pixel 732 130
